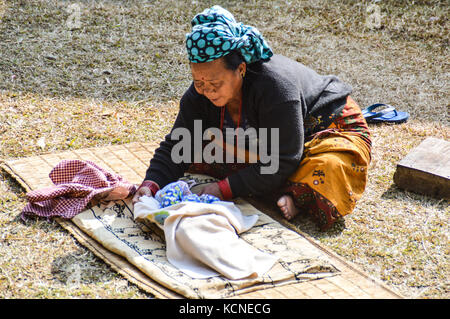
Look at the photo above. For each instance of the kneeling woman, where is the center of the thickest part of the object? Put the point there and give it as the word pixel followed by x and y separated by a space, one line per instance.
pixel 323 147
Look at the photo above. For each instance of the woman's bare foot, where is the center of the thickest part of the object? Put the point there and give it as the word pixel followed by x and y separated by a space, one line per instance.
pixel 287 207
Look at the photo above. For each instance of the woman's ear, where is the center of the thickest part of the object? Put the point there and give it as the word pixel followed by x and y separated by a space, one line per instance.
pixel 242 69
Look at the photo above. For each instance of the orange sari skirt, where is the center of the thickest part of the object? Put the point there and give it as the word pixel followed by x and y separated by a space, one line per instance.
pixel 332 174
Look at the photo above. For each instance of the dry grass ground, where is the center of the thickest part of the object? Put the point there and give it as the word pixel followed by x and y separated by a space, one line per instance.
pixel 117 76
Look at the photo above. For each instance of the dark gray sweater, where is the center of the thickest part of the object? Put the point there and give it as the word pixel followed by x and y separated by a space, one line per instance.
pixel 279 93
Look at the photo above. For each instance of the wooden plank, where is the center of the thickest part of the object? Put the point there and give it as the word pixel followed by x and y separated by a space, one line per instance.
pixel 426 169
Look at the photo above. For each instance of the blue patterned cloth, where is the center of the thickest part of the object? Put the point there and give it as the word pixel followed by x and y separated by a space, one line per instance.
pixel 178 192
pixel 215 33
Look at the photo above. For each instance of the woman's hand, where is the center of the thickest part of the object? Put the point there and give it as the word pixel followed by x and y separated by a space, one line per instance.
pixel 142 191
pixel 147 188
pixel 212 189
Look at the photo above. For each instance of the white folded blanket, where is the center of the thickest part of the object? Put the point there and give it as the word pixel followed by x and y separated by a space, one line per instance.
pixel 202 239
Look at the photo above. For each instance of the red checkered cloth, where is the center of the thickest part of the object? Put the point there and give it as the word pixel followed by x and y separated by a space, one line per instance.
pixel 76 184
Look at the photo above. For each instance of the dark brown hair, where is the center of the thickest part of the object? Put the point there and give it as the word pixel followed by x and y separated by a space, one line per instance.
pixel 233 60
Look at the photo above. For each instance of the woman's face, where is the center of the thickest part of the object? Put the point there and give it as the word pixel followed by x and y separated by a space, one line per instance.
pixel 217 83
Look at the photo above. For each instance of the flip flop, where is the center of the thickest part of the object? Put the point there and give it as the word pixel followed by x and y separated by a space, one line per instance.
pixel 368 112
pixel 391 117
pixel 388 115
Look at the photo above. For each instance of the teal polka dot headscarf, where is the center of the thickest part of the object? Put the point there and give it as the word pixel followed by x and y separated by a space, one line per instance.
pixel 215 33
